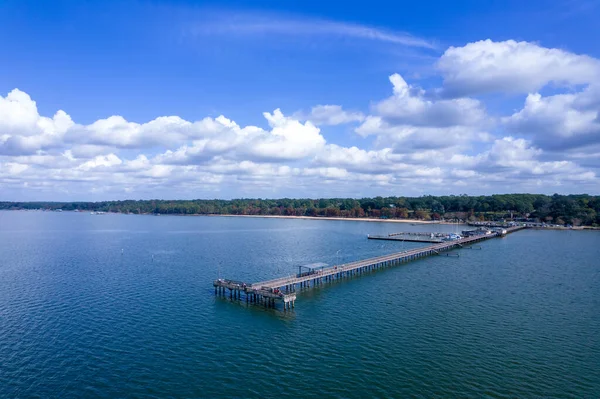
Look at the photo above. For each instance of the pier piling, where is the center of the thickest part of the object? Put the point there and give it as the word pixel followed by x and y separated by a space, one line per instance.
pixel 284 289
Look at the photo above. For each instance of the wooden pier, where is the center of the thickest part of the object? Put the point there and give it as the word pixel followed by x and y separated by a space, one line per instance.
pixel 411 237
pixel 283 290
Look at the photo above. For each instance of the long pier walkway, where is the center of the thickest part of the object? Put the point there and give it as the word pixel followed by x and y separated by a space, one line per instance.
pixel 283 290
pixel 410 236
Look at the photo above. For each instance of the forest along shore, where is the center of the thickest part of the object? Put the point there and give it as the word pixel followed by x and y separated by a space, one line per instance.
pixel 556 210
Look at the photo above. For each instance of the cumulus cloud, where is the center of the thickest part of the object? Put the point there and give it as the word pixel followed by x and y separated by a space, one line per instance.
pixel 560 121
pixel 407 138
pixel 411 142
pixel 409 121
pixel 118 132
pixel 409 107
pixel 12 168
pixel 565 124
pixel 100 161
pixel 287 140
pixel 359 160
pixel 516 160
pixel 23 130
pixel 510 66
pixel 330 115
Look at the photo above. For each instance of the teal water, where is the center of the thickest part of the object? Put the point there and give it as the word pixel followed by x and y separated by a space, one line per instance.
pixel 117 306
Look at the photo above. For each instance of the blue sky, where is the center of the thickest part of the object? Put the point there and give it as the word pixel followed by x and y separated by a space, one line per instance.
pixel 457 121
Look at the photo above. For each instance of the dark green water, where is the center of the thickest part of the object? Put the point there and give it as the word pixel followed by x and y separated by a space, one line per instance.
pixel 78 318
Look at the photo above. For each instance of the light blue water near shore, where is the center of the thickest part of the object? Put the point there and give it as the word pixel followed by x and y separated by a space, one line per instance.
pixel 79 318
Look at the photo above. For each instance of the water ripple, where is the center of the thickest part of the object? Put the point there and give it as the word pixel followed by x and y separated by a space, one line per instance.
pixel 86 310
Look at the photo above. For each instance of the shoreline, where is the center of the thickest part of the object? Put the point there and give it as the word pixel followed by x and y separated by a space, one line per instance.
pixel 375 220
pixel 371 220
pixel 414 221
pixel 411 221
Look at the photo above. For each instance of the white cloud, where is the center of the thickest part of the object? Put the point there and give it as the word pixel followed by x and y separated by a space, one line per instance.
pixel 86 151
pixel 328 173
pixel 565 124
pixel 359 160
pixel 159 171
pixel 100 161
pixel 412 142
pixel 511 152
pixel 558 122
pixel 407 138
pixel 515 160
pixel 409 107
pixel 464 174
pixel 409 121
pixel 116 131
pixel 288 140
pixel 510 66
pixel 12 168
pixel 141 162
pixel 23 130
pixel 18 112
pixel 331 115
pixel 245 24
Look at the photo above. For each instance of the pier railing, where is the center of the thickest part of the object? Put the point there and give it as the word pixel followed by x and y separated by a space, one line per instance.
pixel 284 289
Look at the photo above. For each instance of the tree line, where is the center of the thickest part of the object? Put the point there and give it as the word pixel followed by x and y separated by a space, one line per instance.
pixel 556 209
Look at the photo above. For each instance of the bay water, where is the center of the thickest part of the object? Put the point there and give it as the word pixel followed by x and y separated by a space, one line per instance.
pixel 122 306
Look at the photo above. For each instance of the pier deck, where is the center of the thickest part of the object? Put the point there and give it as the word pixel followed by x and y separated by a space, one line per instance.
pixel 411 237
pixel 283 289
